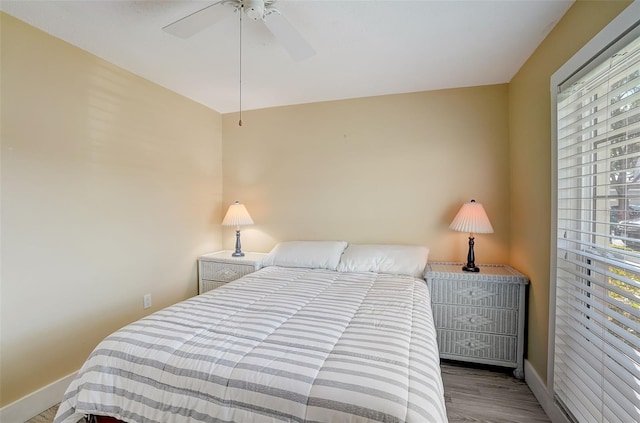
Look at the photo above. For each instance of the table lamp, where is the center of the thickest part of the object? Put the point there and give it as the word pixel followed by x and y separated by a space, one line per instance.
pixel 237 216
pixel 472 219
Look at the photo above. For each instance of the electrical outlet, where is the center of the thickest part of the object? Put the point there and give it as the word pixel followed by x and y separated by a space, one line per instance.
pixel 146 301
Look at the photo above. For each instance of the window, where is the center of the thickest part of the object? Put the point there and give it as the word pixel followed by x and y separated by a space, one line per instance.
pixel 596 347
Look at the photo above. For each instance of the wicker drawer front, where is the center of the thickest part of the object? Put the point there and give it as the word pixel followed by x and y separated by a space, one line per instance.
pixel 224 272
pixel 209 285
pixel 478 345
pixel 471 293
pixel 490 320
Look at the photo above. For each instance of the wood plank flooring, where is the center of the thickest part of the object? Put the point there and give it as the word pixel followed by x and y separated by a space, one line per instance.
pixel 488 394
pixel 46 416
pixel 472 394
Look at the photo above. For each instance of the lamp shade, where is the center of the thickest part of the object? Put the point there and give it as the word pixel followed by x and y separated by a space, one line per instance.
pixel 237 215
pixel 472 219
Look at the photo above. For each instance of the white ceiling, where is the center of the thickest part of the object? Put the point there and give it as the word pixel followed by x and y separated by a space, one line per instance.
pixel 363 47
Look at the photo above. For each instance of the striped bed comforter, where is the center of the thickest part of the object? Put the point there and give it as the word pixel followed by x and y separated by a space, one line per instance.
pixel 278 345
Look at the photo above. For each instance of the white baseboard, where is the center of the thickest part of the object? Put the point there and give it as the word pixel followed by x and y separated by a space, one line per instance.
pixel 36 402
pixel 543 395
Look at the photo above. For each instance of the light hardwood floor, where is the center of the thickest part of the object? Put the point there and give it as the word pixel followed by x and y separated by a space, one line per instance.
pixel 472 394
pixel 486 394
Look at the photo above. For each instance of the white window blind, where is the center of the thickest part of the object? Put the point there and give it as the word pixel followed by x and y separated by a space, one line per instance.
pixel 596 376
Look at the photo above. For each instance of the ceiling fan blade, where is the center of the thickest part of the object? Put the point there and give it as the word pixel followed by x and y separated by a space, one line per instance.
pixel 289 37
pixel 196 22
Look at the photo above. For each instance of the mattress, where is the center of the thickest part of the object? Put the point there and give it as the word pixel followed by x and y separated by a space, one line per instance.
pixel 278 345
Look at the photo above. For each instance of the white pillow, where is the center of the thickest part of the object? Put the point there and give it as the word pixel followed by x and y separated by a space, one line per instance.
pixel 393 259
pixel 311 254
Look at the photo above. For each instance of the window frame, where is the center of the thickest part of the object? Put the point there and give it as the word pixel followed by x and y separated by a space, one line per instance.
pixel 583 61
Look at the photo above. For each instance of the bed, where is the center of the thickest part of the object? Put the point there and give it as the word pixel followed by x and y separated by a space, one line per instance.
pixel 324 332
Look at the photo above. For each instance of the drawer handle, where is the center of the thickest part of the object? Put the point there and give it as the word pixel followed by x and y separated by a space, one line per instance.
pixel 472 345
pixel 472 319
pixel 471 293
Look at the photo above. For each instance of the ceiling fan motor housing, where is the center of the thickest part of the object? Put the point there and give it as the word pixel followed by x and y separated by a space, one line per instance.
pixel 254 9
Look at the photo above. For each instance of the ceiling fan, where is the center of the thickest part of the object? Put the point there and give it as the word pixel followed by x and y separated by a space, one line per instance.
pixel 263 10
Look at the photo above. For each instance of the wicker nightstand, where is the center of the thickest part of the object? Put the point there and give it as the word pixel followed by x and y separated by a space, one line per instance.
pixel 216 269
pixel 479 317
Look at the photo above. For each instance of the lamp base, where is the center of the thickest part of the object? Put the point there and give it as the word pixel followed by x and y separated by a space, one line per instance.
pixel 238 252
pixel 472 268
pixel 471 258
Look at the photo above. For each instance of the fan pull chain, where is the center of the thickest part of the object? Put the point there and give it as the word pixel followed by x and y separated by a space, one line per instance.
pixel 240 100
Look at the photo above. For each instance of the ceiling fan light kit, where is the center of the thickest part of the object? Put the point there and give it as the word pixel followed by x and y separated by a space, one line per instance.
pixel 254 9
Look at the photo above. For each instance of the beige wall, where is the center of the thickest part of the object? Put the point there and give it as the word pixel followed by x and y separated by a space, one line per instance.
pixel 530 138
pixel 111 187
pixel 389 169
